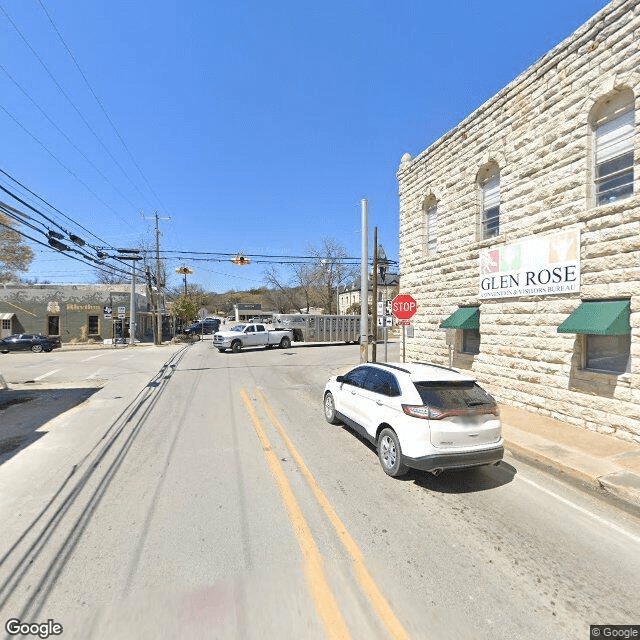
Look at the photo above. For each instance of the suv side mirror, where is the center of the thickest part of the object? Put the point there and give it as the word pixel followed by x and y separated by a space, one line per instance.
pixel 340 379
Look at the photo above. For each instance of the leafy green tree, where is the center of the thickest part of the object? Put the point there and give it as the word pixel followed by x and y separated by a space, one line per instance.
pixel 186 307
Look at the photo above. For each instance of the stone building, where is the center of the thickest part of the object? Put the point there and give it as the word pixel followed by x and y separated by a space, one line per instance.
pixel 520 234
pixel 73 312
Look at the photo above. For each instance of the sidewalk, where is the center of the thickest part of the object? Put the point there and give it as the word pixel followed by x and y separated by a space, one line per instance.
pixel 600 461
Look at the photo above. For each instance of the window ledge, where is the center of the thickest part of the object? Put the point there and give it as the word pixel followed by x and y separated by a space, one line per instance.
pixel 487 242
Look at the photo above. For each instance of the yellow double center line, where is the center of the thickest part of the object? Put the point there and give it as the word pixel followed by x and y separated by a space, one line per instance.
pixel 325 602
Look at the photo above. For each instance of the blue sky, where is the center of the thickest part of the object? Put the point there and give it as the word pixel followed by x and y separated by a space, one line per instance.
pixel 256 127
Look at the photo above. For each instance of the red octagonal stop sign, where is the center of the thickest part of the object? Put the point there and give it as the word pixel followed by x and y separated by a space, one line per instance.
pixel 403 306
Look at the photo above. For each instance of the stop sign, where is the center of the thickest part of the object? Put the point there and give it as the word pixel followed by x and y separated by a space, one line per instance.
pixel 403 306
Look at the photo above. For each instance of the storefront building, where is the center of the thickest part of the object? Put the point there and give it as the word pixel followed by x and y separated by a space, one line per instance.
pixel 72 312
pixel 520 234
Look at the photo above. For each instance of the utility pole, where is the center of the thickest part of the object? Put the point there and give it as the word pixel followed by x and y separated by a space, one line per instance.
pixel 158 331
pixel 374 304
pixel 364 285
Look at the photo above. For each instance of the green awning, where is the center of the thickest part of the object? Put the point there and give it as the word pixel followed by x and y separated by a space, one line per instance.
pixel 610 318
pixel 465 318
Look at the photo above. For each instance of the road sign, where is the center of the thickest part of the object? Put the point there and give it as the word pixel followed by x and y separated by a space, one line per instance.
pixel 122 309
pixel 381 320
pixel 404 323
pixel 122 316
pixel 403 306
pixel 107 316
pixel 107 311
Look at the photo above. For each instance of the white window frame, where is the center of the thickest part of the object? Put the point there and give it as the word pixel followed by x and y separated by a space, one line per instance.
pixel 490 202
pixel 431 227
pixel 613 150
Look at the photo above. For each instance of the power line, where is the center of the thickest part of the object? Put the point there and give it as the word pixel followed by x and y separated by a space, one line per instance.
pixel 63 92
pixel 66 137
pixel 98 265
pixel 15 197
pixel 64 166
pixel 104 111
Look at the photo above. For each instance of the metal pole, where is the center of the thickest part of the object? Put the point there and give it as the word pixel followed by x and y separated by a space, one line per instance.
pixel 374 295
pixel 158 307
pixel 384 324
pixel 364 286
pixel 404 334
pixel 132 305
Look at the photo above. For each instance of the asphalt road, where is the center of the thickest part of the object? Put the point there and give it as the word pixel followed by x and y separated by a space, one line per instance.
pixel 202 495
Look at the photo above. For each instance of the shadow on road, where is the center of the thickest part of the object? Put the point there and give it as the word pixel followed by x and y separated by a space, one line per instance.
pixel 23 412
pixel 465 480
pixel 455 480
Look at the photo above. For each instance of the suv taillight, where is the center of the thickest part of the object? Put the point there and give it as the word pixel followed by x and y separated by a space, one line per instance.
pixel 417 411
pixel 431 413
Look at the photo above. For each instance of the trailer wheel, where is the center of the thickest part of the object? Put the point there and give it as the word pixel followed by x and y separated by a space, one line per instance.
pixel 236 345
pixel 221 349
pixel 285 343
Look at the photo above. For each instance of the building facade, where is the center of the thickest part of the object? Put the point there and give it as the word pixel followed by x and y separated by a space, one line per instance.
pixel 73 312
pixel 520 234
pixel 350 295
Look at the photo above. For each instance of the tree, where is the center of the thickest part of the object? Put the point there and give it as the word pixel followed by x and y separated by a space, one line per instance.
pixel 15 255
pixel 330 271
pixel 186 307
pixel 314 283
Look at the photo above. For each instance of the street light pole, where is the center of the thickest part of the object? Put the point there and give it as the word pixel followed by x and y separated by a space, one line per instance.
pixel 132 254
pixel 364 285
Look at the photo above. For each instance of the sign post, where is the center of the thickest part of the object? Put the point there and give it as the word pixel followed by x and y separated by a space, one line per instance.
pixel 404 307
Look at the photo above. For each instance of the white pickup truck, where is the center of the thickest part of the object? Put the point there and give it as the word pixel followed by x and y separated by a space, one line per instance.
pixel 251 335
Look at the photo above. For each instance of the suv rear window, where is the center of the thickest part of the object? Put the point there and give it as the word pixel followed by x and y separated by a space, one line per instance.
pixel 453 396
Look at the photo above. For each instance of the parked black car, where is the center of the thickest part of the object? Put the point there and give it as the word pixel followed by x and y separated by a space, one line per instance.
pixel 208 326
pixel 28 342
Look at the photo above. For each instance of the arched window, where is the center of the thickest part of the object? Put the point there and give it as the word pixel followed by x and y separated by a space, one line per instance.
pixel 489 184
pixel 613 127
pixel 430 209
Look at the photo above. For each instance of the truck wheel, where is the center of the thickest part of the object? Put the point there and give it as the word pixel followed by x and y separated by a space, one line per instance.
pixel 221 350
pixel 268 346
pixel 285 343
pixel 236 345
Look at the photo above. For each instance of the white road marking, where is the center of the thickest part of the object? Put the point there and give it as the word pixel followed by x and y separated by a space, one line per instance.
pixel 577 507
pixel 46 375
pixel 94 357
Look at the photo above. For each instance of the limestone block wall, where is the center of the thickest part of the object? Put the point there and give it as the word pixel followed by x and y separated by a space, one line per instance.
pixel 538 131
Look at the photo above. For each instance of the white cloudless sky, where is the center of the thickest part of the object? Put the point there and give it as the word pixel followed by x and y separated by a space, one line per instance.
pixel 256 127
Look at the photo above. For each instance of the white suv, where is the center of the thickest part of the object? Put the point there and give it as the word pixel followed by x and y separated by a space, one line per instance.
pixel 419 416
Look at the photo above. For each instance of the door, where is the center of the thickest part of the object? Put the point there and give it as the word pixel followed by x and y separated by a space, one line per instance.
pixel 349 402
pixel 376 399
pixel 261 334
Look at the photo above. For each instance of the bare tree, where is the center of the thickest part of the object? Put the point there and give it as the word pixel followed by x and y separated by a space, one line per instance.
pixel 314 283
pixel 330 271
pixel 15 255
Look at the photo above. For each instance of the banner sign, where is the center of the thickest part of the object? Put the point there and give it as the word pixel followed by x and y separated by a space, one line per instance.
pixel 533 266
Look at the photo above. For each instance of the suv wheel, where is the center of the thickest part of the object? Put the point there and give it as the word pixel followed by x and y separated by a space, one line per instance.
pixel 330 409
pixel 390 454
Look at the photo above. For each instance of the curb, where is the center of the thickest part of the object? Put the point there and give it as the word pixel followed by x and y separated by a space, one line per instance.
pixel 622 488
